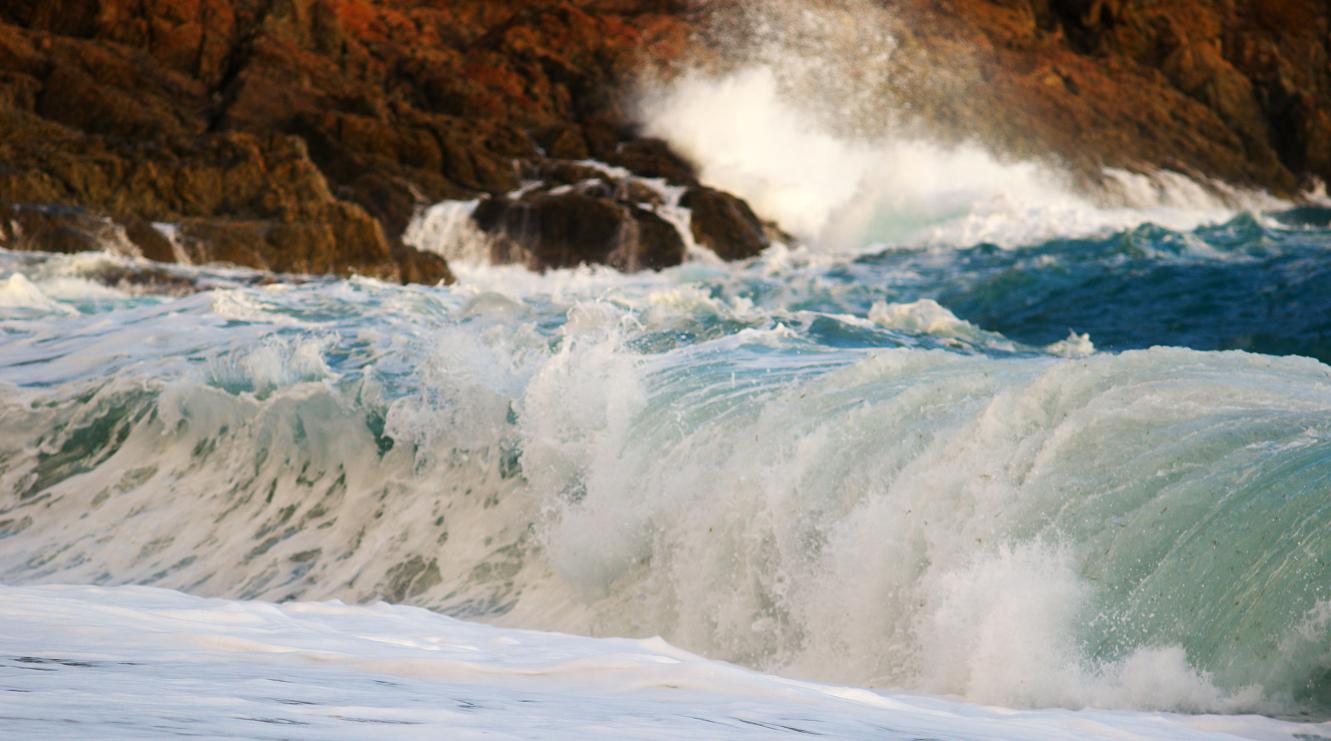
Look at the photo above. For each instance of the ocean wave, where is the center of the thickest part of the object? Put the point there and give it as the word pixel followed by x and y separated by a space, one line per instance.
pixel 895 499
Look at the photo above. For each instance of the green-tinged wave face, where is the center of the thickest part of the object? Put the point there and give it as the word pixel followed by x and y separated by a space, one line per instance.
pixel 910 469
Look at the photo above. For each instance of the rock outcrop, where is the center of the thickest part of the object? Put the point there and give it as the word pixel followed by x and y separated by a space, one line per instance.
pixel 302 135
pixel 724 224
pixel 616 214
pixel 567 229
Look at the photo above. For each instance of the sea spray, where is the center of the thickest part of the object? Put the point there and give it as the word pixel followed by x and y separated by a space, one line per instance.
pixel 841 192
pixel 821 122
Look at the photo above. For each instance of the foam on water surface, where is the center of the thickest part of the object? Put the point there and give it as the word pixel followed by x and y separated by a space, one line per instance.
pixel 127 662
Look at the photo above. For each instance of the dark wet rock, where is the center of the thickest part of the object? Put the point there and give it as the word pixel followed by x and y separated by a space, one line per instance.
pixel 558 230
pixel 563 172
pixel 653 158
pixel 57 228
pixel 656 243
pixel 144 279
pixel 149 241
pixel 415 266
pixel 724 224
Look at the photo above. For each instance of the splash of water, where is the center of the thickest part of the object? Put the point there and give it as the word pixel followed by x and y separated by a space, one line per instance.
pixel 853 193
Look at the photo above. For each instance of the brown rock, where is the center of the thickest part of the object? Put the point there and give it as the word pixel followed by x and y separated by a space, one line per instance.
pixel 302 134
pixel 564 142
pixel 58 228
pixel 240 199
pixel 390 199
pixel 557 231
pixel 724 224
pixel 18 91
pixel 185 111
pixel 149 242
pixel 1229 90
pixel 415 266
pixel 343 240
pixel 562 172
pixel 653 158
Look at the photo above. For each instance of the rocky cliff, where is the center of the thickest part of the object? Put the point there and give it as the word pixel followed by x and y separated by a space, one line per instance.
pixel 302 135
pixel 1235 90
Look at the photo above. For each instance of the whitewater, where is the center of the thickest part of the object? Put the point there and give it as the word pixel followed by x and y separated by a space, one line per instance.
pixel 976 452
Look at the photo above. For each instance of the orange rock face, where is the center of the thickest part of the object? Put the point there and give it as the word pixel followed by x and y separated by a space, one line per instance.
pixel 189 112
pixel 1237 90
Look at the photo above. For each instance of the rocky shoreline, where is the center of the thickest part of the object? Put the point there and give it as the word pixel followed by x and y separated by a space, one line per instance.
pixel 303 135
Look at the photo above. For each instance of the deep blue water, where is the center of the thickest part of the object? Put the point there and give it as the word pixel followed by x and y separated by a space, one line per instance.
pixel 1257 285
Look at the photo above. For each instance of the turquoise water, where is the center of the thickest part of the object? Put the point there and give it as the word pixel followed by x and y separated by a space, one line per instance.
pixel 1090 471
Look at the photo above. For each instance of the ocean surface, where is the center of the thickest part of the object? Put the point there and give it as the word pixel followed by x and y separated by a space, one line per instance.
pixel 975 455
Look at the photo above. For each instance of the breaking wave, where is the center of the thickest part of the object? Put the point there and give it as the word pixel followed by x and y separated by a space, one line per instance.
pixel 888 495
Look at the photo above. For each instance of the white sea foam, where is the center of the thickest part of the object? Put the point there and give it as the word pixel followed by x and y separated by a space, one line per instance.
pixel 447 229
pixel 1073 346
pixel 19 294
pixel 131 662
pixel 926 316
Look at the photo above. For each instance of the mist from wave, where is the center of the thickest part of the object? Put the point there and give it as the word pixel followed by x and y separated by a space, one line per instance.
pixel 849 193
